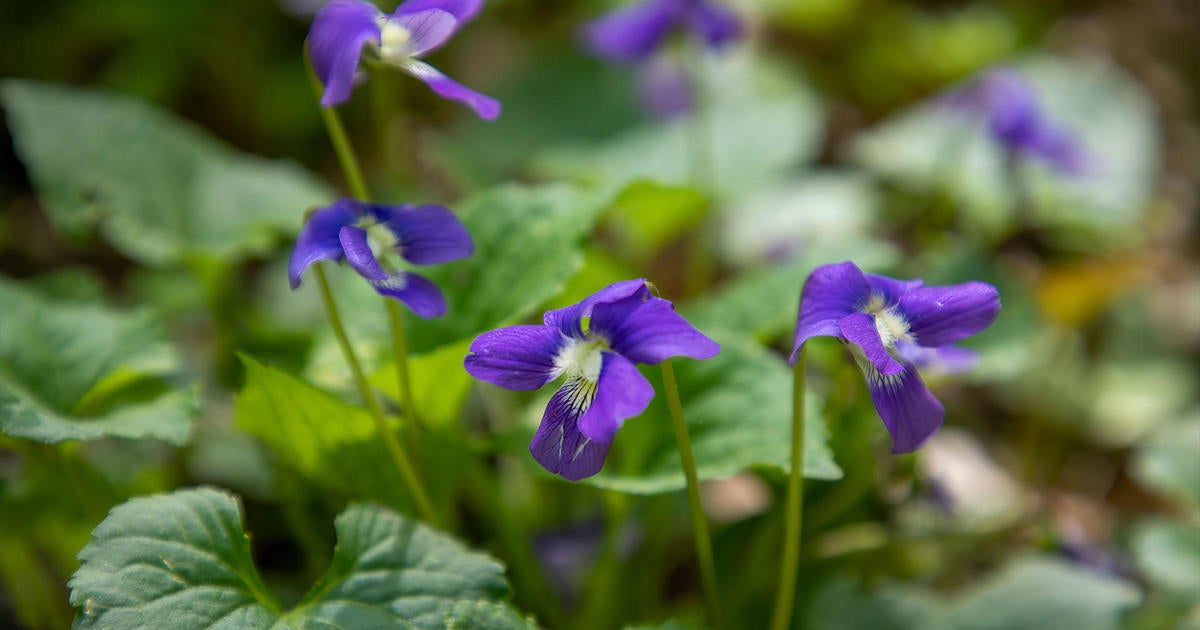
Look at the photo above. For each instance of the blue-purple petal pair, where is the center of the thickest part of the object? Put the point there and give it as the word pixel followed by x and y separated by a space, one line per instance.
pixel 892 327
pixel 595 344
pixel 636 33
pixel 1008 105
pixel 344 29
pixel 371 237
pixel 633 33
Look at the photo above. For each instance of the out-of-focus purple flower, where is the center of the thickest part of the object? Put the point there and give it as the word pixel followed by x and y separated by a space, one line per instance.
pixel 1008 105
pixel 877 317
pixel 344 29
pixel 633 33
pixel 664 87
pixel 567 554
pixel 595 344
pixel 374 239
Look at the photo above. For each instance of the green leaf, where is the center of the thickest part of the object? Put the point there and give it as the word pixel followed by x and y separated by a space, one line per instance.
pixel 439 384
pixel 1169 554
pixel 1041 594
pixel 180 558
pixel 183 560
pixel 556 93
pixel 386 567
pixel 764 302
pixel 1166 461
pixel 527 245
pixel 159 188
pixel 738 408
pixel 331 443
pixel 927 149
pixel 771 123
pixel 842 605
pixel 1031 593
pixel 72 370
pixel 827 212
pixel 648 215
pixel 484 615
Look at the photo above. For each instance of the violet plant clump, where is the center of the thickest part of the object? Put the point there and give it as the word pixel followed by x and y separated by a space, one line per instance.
pixel 891 326
pixel 376 240
pixel 345 31
pixel 148 343
pixel 595 345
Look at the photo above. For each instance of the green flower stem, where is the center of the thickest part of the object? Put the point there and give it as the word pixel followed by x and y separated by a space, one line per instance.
pixel 708 572
pixel 795 506
pixel 399 457
pixel 341 146
pixel 358 188
pixel 400 349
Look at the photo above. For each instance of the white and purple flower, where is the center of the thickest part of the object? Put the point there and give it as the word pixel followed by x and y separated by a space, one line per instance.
pixel 374 239
pixel 634 34
pixel 595 345
pixel 343 29
pixel 891 326
pixel 1008 105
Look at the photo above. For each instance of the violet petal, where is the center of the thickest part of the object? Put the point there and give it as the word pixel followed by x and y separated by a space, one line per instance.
pixel 516 357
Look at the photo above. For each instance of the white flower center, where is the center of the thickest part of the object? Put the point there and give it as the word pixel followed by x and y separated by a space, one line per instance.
pixel 383 243
pixel 394 42
pixel 890 325
pixel 581 359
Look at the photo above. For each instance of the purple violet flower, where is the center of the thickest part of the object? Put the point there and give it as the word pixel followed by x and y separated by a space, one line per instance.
pixel 595 344
pixel 1007 103
pixel 342 30
pixel 633 33
pixel 374 238
pixel 879 318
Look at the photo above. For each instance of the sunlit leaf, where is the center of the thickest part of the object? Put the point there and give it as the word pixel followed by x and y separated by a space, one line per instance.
pixel 824 210
pixel 647 215
pixel 439 384
pixel 326 440
pixel 772 122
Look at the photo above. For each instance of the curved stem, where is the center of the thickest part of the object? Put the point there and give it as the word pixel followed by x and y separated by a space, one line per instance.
pixel 400 350
pixel 399 457
pixel 708 572
pixel 358 188
pixel 795 505
pixel 341 144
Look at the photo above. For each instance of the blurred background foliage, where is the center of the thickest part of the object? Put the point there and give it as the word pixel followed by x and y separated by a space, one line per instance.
pixel 162 155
